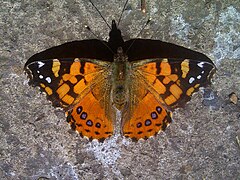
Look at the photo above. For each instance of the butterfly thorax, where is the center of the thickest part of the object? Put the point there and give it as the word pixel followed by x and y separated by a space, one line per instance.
pixel 120 77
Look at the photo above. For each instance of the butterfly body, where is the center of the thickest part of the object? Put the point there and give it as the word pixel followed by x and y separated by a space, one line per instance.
pixel 143 79
pixel 120 80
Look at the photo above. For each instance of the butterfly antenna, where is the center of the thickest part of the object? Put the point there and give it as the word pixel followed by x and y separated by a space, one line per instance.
pixel 90 30
pixel 148 21
pixel 105 44
pixel 100 14
pixel 124 7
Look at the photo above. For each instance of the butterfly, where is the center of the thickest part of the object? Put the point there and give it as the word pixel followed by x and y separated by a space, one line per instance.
pixel 143 79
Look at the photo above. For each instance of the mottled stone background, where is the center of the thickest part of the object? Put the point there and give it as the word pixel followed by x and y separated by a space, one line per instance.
pixel 202 142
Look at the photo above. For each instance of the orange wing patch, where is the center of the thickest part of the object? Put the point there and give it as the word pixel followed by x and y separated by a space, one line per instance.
pixel 75 80
pixel 148 118
pixel 164 86
pixel 174 80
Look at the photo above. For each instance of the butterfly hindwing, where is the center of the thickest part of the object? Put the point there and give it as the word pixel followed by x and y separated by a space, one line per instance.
pixel 91 116
pixel 147 118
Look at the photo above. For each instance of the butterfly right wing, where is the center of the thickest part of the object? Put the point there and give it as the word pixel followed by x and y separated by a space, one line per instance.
pixel 158 86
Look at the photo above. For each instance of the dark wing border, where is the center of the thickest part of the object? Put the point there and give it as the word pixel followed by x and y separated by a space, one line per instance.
pixel 90 49
pixel 138 49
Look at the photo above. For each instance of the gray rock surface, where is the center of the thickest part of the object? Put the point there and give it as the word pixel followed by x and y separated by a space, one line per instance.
pixel 201 143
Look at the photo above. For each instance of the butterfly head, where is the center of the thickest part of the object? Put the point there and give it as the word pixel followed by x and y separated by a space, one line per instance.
pixel 115 38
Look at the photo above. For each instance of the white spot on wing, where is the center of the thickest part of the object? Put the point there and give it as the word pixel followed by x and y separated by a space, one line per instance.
pixel 203 72
pixel 40 76
pixel 48 79
pixel 191 80
pixel 38 71
pixel 40 64
pixel 200 64
pixel 199 77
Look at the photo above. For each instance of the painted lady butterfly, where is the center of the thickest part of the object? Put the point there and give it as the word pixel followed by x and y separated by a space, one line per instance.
pixel 143 79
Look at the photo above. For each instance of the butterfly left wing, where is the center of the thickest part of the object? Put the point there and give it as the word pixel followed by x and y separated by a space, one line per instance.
pixel 157 86
pixel 81 87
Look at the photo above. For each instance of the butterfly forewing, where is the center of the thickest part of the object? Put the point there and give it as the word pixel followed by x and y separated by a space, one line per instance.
pixel 66 80
pixel 174 80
